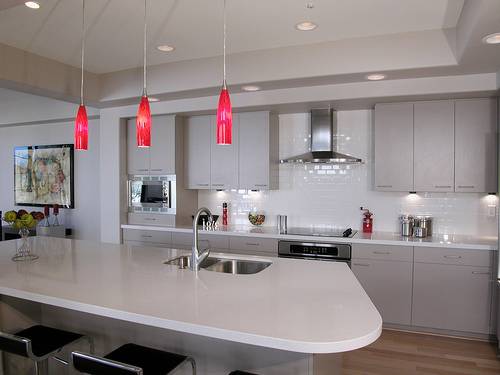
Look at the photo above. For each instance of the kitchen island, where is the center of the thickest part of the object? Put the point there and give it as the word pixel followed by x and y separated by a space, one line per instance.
pixel 274 321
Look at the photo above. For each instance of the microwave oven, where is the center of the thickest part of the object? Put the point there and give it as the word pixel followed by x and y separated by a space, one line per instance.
pixel 154 194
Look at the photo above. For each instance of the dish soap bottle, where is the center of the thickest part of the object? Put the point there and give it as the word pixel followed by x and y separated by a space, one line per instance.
pixel 367 220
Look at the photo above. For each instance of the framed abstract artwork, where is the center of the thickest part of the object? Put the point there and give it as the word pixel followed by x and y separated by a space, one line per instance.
pixel 43 175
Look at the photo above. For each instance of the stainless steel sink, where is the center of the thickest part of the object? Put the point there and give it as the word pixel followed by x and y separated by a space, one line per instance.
pixel 238 266
pixel 223 265
pixel 185 261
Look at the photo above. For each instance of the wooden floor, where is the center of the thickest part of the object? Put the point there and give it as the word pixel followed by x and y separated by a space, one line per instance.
pixel 401 353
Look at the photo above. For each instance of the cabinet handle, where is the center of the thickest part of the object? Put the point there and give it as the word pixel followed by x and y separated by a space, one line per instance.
pixel 150 219
pixel 201 184
pixel 442 186
pixel 361 264
pixel 480 273
pixel 261 185
pixel 384 186
pixel 452 256
pixel 218 184
pixel 157 170
pixel 146 236
pixel 252 244
pixel 466 186
pixel 382 252
pixel 142 170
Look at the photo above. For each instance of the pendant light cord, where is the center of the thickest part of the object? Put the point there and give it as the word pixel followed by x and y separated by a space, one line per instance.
pixel 145 41
pixel 224 49
pixel 83 50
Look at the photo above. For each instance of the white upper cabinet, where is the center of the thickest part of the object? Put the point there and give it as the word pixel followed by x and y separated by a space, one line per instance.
pixel 159 159
pixel 258 151
pixel 434 146
pixel 450 144
pixel 162 150
pixel 394 147
pixel 137 157
pixel 224 158
pixel 476 145
pixel 197 151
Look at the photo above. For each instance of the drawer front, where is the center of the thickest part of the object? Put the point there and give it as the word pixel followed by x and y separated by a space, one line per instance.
pixel 147 236
pixel 382 252
pixel 151 219
pixel 251 244
pixel 212 241
pixel 146 244
pixel 185 239
pixel 438 255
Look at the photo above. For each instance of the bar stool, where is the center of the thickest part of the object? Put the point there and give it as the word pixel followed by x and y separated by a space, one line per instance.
pixel 39 343
pixel 131 359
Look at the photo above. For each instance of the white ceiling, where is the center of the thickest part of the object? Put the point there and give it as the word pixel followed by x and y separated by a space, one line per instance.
pixel 194 26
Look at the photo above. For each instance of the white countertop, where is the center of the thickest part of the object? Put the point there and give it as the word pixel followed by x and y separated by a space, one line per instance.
pixel 380 238
pixel 293 305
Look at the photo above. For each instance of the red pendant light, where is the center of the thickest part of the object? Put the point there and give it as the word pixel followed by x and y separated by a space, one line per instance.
pixel 143 121
pixel 81 121
pixel 81 129
pixel 224 110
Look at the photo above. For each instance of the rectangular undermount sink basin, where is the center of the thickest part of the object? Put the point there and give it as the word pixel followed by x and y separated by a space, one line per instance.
pixel 185 261
pixel 223 265
pixel 238 266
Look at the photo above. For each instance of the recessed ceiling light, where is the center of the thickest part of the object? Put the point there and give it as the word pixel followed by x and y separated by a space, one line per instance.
pixel 153 99
pixel 492 38
pixel 165 48
pixel 375 77
pixel 306 26
pixel 250 88
pixel 32 4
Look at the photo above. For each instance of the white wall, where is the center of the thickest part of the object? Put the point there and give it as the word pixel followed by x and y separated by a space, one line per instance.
pixel 332 195
pixel 85 218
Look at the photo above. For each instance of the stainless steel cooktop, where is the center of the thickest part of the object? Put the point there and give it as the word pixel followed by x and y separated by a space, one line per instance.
pixel 322 232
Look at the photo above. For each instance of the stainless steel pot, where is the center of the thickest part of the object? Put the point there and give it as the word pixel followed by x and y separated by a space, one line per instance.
pixel 424 222
pixel 406 225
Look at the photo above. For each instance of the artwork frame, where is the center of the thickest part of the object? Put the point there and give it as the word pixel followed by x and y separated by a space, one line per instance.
pixel 44 175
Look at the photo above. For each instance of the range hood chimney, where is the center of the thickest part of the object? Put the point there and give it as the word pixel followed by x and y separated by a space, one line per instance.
pixel 323 141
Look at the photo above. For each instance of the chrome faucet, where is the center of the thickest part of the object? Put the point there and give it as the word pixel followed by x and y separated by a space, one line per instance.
pixel 196 257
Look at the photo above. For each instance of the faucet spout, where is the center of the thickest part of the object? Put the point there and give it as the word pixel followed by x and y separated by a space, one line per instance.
pixel 196 257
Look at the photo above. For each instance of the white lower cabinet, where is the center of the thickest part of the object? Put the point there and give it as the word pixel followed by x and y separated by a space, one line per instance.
pixel 452 297
pixel 389 285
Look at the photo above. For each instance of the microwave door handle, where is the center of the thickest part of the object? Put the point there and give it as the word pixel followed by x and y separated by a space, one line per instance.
pixel 169 194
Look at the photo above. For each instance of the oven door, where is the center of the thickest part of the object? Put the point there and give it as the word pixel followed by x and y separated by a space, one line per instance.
pixel 331 252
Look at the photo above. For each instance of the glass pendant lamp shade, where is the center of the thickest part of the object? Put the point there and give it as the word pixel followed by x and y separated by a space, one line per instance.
pixel 143 123
pixel 224 119
pixel 81 129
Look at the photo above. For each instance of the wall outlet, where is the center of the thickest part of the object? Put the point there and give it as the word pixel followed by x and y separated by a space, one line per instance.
pixel 492 210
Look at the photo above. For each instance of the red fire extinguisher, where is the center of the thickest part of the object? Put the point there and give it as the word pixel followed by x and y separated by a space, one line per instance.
pixel 367 220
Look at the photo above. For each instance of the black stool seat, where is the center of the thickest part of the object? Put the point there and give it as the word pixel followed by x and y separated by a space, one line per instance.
pixel 240 373
pixel 152 361
pixel 45 340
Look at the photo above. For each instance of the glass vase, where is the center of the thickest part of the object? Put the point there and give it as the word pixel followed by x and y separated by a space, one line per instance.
pixel 24 251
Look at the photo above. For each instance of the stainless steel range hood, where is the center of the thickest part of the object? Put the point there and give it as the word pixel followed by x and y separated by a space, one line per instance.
pixel 323 141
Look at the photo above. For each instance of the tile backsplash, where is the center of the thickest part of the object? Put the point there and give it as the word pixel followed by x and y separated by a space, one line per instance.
pixel 331 195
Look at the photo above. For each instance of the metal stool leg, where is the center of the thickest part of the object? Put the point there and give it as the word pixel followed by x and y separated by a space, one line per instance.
pixel 193 364
pixel 41 368
pixel 90 341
